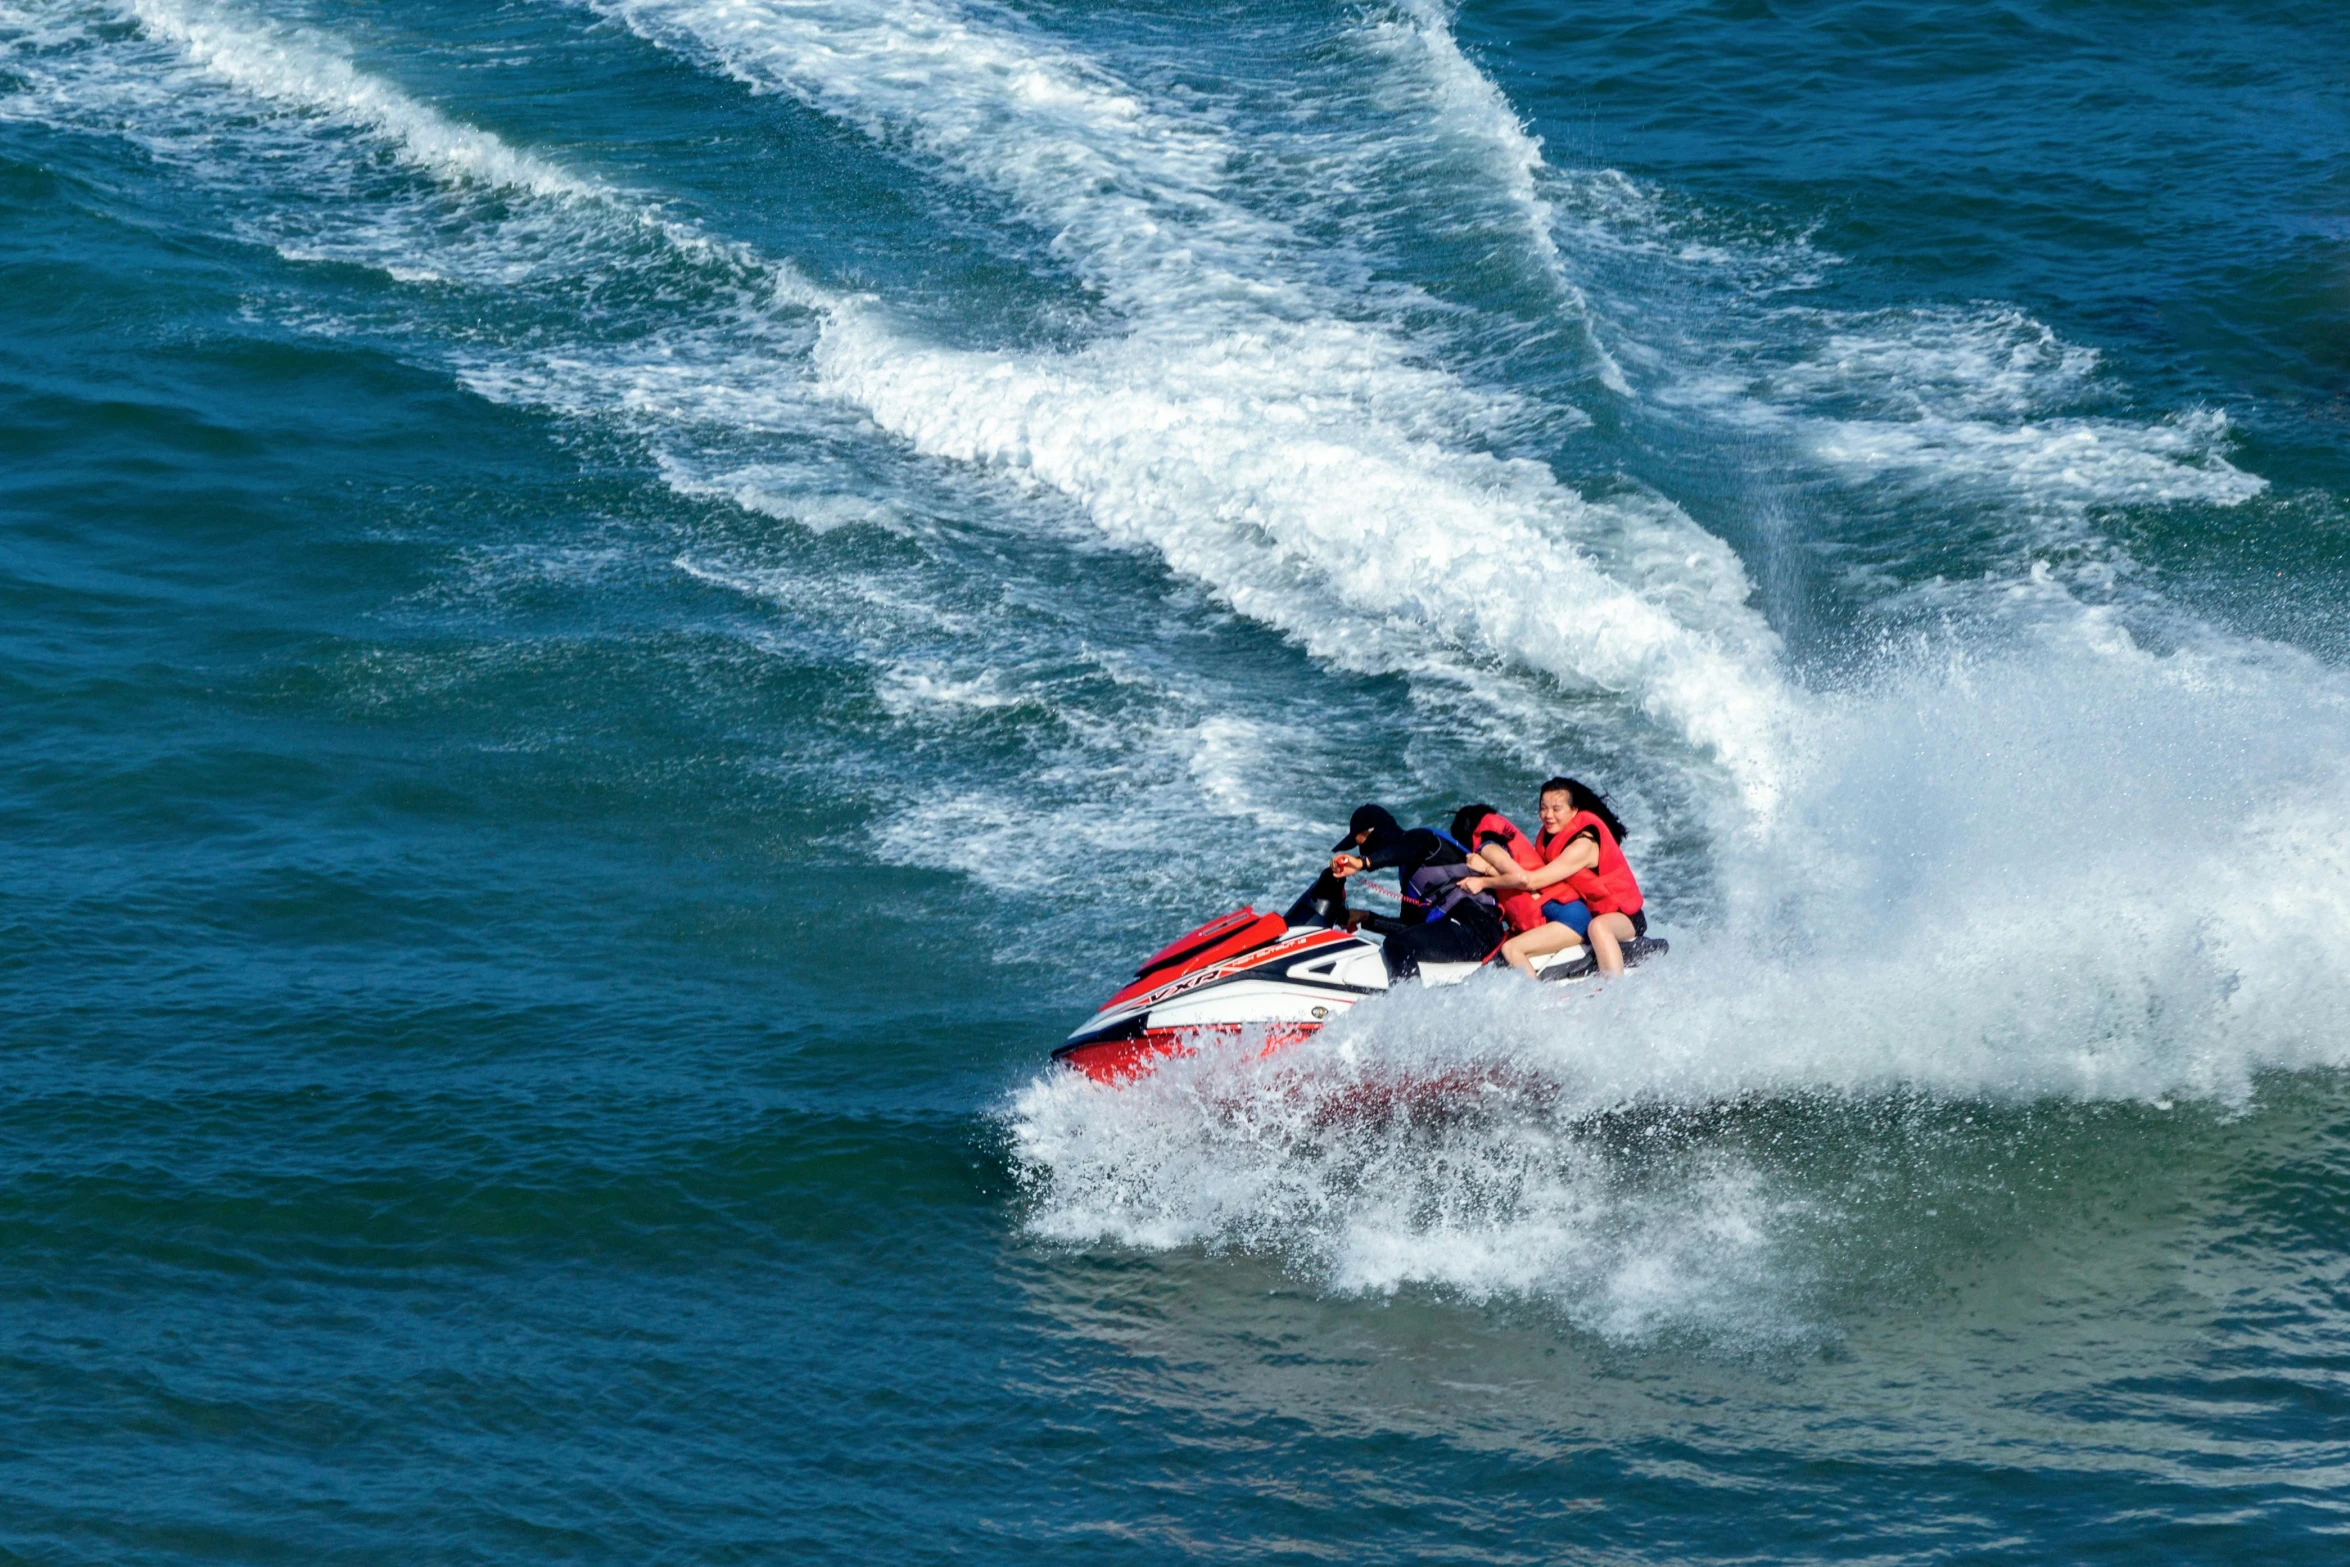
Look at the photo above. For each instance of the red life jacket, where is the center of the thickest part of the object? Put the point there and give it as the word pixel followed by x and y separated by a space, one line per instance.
pixel 1523 910
pixel 1605 888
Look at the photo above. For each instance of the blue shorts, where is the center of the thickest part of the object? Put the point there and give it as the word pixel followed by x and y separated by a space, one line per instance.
pixel 1576 916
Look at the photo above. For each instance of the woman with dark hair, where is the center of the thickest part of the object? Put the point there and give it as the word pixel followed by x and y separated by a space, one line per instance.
pixel 1589 894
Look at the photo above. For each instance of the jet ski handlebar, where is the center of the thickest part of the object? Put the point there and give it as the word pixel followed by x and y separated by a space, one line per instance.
pixel 1323 903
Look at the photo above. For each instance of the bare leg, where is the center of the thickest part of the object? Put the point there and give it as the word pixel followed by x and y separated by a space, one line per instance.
pixel 1521 950
pixel 1608 934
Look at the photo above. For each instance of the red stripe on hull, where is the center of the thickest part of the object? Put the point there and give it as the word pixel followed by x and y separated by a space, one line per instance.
pixel 1192 941
pixel 1122 1060
pixel 1262 931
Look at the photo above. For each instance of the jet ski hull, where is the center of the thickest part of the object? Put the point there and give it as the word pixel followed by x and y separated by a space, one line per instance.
pixel 1265 981
pixel 1125 1058
pixel 1277 992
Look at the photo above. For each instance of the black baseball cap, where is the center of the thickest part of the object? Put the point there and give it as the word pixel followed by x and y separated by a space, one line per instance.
pixel 1373 819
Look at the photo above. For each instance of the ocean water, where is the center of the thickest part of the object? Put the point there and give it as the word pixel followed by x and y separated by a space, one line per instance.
pixel 614 615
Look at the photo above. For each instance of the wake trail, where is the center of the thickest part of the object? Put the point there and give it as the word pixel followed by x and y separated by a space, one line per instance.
pixel 699 350
pixel 306 73
pixel 1472 105
pixel 1307 465
pixel 2064 866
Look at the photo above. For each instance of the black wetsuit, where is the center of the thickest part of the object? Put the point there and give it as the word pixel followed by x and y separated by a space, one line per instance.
pixel 1405 852
pixel 1468 927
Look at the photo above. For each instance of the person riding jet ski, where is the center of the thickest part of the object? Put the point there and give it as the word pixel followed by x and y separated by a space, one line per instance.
pixel 1498 846
pixel 1445 920
pixel 1261 982
pixel 1589 894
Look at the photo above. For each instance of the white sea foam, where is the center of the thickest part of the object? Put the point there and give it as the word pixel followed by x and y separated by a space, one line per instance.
pixel 2056 463
pixel 1975 399
pixel 1144 770
pixel 799 492
pixel 1291 469
pixel 1128 191
pixel 482 215
pixel 1370 1193
pixel 193 107
pixel 1469 104
pixel 2078 871
pixel 751 381
pixel 1307 467
pixel 1717 314
pixel 286 67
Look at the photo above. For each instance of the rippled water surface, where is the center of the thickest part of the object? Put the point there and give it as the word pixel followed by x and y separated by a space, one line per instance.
pixel 613 616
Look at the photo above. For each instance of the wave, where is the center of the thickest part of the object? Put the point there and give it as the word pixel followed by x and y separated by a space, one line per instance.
pixel 1129 193
pixel 78 74
pixel 1978 403
pixel 542 287
pixel 276 65
pixel 1466 103
pixel 1986 402
pixel 1315 470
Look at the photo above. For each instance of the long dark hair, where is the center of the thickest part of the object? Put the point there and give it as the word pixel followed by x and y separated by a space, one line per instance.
pixel 1589 799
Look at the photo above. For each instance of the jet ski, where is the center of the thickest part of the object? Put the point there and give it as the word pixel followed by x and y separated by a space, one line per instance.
pixel 1268 980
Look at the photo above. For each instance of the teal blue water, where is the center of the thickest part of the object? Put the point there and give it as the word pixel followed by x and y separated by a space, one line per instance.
pixel 614 616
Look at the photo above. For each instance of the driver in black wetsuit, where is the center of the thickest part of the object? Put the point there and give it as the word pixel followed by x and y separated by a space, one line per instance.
pixel 1441 922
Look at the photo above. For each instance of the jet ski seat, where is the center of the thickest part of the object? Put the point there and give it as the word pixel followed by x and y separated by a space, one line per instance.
pixel 1636 952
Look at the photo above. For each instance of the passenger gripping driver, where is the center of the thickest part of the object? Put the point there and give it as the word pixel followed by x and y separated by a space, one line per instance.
pixel 1588 891
pixel 1446 919
pixel 1496 847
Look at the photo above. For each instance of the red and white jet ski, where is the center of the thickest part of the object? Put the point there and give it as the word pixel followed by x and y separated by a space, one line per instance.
pixel 1269 979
